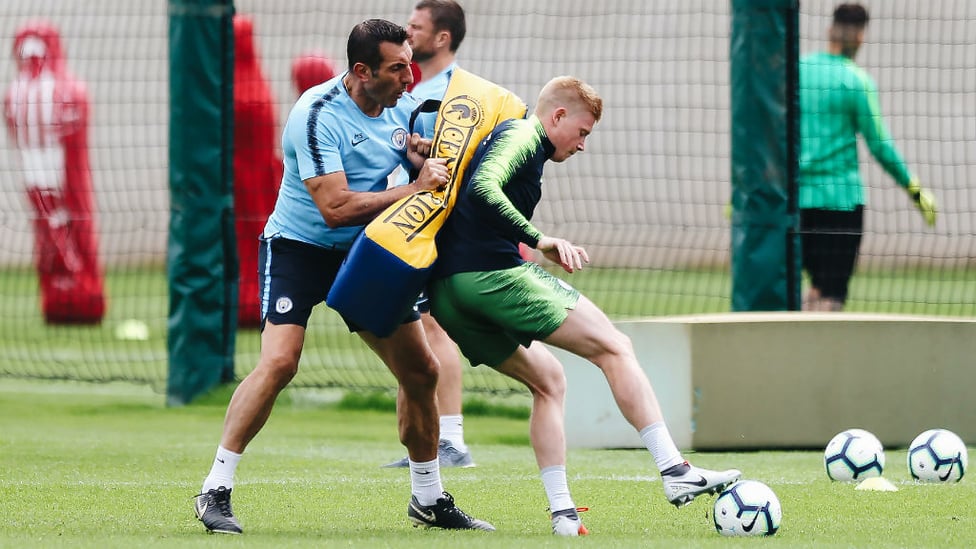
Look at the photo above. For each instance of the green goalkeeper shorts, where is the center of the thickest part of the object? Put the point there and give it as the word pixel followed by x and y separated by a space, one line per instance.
pixel 490 313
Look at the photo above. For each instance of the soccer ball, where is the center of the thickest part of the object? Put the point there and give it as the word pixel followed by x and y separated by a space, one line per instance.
pixel 854 454
pixel 937 455
pixel 747 508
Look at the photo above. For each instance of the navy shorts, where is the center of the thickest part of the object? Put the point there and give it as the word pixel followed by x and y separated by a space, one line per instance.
pixel 830 241
pixel 296 276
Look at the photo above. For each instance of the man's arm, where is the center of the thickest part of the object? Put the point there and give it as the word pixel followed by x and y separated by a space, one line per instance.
pixel 342 207
pixel 505 155
pixel 499 211
pixel 882 146
pixel 870 124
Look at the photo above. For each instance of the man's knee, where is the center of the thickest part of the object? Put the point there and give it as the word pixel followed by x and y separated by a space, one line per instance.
pixel 553 384
pixel 280 366
pixel 616 344
pixel 419 375
pixel 539 370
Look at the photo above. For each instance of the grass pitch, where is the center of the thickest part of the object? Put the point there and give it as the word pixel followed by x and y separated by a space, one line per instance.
pixel 108 466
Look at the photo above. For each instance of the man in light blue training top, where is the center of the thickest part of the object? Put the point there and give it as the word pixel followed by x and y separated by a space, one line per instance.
pixel 342 140
pixel 838 100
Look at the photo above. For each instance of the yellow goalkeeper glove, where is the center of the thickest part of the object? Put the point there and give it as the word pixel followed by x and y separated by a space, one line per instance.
pixel 924 201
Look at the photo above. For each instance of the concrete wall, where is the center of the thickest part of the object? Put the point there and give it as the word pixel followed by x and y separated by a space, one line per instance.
pixel 787 380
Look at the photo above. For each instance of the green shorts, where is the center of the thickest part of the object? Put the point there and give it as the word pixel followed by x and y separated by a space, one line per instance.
pixel 489 314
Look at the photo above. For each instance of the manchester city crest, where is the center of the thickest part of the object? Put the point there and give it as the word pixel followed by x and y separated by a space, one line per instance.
pixel 399 138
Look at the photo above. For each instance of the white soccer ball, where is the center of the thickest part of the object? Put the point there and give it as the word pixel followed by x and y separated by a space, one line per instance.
pixel 747 508
pixel 854 454
pixel 937 455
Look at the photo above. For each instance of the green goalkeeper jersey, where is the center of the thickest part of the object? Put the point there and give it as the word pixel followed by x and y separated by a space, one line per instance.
pixel 838 100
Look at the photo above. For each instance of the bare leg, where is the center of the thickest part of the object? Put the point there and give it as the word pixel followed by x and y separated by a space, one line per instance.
pixel 250 407
pixel 407 354
pixel 542 373
pixel 815 301
pixel 409 357
pixel 831 304
pixel 811 299
pixel 449 380
pixel 588 333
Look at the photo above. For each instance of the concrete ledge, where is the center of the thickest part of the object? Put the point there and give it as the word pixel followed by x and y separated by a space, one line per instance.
pixel 786 380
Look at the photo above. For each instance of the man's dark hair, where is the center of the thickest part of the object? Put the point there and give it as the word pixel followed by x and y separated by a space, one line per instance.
pixel 366 37
pixel 446 15
pixel 853 15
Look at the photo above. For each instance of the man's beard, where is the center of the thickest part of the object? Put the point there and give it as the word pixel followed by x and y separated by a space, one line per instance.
pixel 421 56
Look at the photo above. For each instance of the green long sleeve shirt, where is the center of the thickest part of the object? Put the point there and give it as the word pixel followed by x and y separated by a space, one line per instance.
pixel 838 100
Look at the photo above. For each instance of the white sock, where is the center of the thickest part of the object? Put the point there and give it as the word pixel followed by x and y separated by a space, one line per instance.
pixel 452 429
pixel 222 472
pixel 557 488
pixel 658 440
pixel 425 481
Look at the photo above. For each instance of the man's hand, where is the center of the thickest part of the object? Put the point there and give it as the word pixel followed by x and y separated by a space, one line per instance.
pixel 924 201
pixel 434 175
pixel 570 257
pixel 418 150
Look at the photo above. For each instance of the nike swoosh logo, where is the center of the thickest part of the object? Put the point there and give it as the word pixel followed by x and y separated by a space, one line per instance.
pixel 201 509
pixel 700 482
pixel 429 516
pixel 359 139
pixel 423 472
pixel 220 460
pixel 751 525
pixel 952 464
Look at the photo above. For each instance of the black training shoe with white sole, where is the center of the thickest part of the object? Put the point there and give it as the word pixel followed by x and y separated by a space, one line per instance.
pixel 683 482
pixel 444 514
pixel 214 511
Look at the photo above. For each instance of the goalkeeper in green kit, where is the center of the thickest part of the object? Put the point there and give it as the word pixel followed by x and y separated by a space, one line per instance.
pixel 838 100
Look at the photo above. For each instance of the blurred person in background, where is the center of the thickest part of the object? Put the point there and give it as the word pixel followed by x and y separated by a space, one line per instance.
pixel 435 31
pixel 309 69
pixel 46 110
pixel 839 100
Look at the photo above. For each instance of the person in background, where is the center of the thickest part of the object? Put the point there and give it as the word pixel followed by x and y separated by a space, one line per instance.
pixel 838 100
pixel 435 31
pixel 309 69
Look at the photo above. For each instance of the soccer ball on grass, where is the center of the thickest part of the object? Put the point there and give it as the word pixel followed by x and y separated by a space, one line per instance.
pixel 747 508
pixel 854 454
pixel 937 455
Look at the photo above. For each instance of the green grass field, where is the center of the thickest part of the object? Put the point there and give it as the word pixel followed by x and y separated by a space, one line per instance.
pixel 106 466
